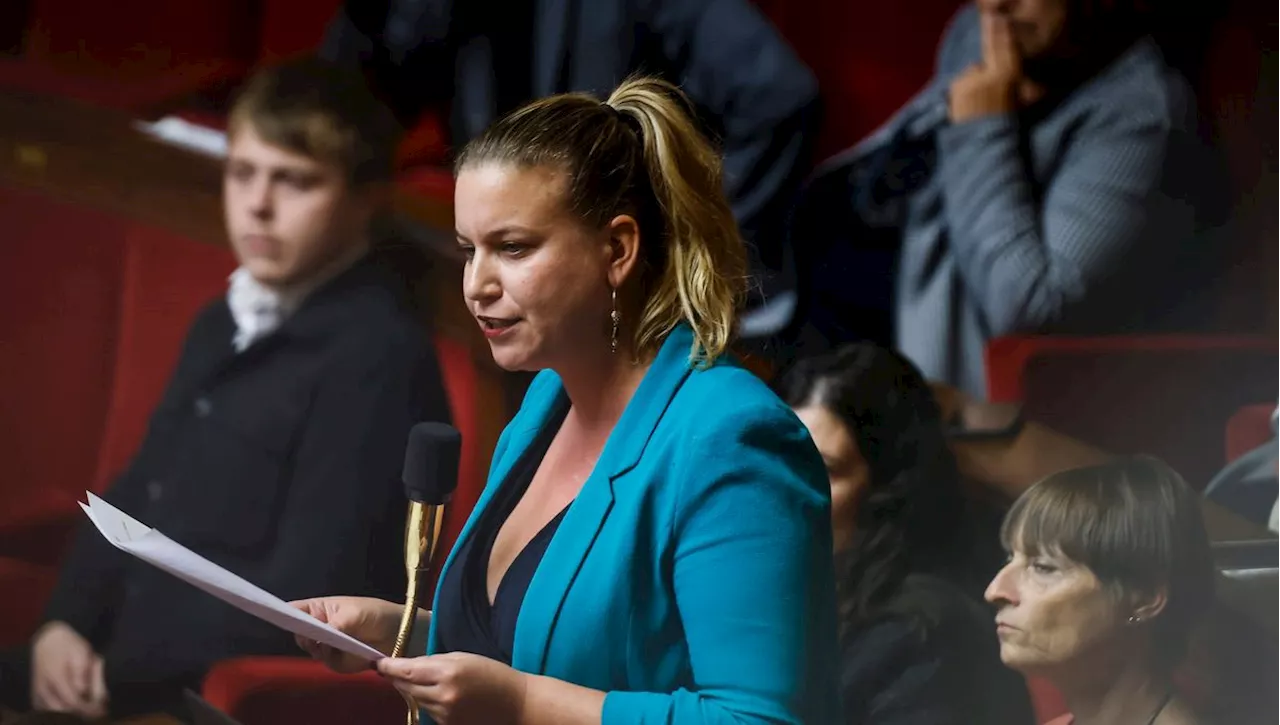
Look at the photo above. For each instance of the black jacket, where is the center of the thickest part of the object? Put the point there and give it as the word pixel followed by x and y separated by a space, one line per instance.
pixel 280 463
pixel 932 660
pixel 488 57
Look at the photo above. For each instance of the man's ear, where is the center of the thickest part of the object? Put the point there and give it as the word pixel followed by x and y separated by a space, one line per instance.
pixel 624 248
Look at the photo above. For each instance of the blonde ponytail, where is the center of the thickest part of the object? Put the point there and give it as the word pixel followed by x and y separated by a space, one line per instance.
pixel 706 267
pixel 640 153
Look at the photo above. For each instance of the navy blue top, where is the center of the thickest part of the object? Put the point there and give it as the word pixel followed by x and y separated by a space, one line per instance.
pixel 467 621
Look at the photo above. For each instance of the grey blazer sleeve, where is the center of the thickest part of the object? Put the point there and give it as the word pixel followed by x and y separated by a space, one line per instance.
pixel 1026 254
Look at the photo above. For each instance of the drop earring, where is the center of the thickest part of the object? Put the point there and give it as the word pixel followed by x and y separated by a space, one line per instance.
pixel 614 319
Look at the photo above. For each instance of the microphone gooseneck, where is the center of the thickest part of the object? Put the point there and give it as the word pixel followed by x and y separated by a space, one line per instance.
pixel 430 475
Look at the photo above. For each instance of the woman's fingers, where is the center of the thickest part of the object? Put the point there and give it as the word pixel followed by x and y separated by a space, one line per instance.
pixel 63 691
pixel 45 696
pixel 427 697
pixel 416 670
pixel 98 695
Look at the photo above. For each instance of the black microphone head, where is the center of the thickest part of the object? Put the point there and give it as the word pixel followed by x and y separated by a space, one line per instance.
pixel 431 463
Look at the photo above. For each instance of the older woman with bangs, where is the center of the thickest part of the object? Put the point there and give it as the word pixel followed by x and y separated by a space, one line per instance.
pixel 1109 572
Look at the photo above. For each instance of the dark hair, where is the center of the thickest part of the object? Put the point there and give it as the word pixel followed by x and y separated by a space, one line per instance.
pixel 1137 526
pixel 324 111
pixel 640 153
pixel 907 522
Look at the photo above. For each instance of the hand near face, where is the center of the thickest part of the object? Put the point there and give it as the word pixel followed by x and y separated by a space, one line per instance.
pixel 459 688
pixel 996 85
pixel 952 402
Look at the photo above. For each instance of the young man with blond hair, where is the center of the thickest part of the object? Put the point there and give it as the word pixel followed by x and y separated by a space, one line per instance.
pixel 276 449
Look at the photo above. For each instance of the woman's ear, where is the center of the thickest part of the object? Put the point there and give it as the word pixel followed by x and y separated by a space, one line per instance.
pixel 624 248
pixel 1148 606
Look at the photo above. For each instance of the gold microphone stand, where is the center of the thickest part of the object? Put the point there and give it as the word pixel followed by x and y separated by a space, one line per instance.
pixel 421 533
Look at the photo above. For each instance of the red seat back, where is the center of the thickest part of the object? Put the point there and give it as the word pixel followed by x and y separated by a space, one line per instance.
pixel 1168 396
pixel 270 690
pixel 1248 428
pixel 462 384
pixel 869 58
pixel 59 321
pixel 94 312
pixel 167 280
pixel 139 38
pixel 293 27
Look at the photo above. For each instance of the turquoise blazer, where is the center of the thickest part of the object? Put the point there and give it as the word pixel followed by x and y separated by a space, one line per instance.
pixel 691 579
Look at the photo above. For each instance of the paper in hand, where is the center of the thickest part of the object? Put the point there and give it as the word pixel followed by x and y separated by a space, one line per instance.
pixel 128 534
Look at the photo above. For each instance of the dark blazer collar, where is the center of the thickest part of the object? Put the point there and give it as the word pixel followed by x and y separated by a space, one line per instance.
pixel 363 288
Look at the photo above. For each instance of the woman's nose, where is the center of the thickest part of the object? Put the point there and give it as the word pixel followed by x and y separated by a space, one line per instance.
pixel 1002 589
pixel 479 280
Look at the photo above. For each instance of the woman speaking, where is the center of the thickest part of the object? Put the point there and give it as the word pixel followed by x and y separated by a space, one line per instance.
pixel 654 542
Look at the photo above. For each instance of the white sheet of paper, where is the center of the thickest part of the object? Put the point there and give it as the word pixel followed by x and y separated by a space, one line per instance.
pixel 128 534
pixel 185 134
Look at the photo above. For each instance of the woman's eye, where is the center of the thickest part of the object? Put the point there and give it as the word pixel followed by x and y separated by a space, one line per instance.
pixel 467 250
pixel 513 248
pixel 1040 567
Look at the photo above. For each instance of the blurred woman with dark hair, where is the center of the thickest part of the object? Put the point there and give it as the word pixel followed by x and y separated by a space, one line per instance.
pixel 915 641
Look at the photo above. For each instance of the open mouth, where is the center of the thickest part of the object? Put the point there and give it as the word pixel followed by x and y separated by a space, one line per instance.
pixel 493 326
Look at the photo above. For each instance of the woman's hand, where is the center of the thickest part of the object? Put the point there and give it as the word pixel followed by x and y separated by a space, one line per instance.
pixel 459 688
pixel 66 674
pixel 372 621
pixel 953 403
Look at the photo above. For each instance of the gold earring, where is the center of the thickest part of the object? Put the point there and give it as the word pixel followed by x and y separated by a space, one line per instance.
pixel 614 318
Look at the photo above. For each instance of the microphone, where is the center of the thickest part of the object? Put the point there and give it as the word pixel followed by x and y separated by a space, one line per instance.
pixel 430 475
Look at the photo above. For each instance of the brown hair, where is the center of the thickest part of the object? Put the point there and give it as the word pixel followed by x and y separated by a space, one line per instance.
pixel 323 111
pixel 1137 526
pixel 639 153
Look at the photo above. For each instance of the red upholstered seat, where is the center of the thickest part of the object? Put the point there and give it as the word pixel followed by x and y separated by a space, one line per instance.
pixel 139 38
pixel 133 54
pixel 167 280
pixel 1248 428
pixel 291 27
pixel 1169 396
pixel 273 690
pixel 21 614
pixel 869 58
pixel 94 313
pixel 60 290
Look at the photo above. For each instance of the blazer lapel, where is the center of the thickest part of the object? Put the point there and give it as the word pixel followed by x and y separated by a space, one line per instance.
pixel 587 514
pixel 522 431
